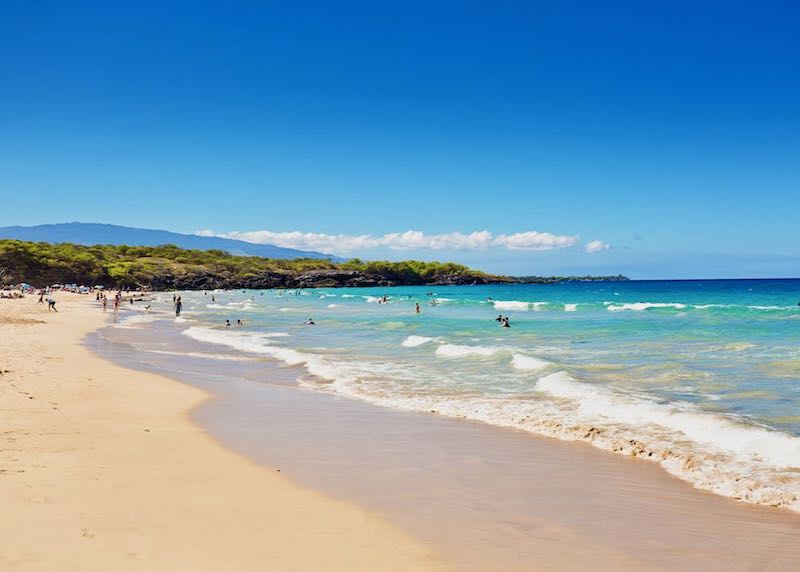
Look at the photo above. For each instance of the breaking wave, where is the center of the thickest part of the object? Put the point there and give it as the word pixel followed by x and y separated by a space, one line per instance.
pixel 519 361
pixel 456 351
pixel 510 305
pixel 414 341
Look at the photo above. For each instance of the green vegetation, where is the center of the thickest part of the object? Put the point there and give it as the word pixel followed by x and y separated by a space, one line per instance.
pixel 165 267
pixel 169 267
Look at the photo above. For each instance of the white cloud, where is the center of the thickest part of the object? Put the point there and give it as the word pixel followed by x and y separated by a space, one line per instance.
pixel 532 240
pixel 409 240
pixel 596 246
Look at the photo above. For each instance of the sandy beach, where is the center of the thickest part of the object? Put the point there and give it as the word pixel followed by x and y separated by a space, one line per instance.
pixel 483 497
pixel 107 465
pixel 101 469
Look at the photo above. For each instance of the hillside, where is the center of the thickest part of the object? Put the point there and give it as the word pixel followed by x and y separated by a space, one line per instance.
pixel 92 233
pixel 169 267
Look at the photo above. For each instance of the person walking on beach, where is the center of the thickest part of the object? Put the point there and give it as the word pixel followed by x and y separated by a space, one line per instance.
pixel 178 307
pixel 41 298
pixel 104 302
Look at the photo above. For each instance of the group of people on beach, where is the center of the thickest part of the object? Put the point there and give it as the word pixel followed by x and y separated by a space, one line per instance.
pixel 177 302
pixel 102 298
pixel 11 295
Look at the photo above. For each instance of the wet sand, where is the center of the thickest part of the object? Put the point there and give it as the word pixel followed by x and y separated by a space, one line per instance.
pixel 486 498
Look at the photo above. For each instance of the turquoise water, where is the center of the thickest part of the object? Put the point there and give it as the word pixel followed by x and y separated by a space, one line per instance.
pixel 702 377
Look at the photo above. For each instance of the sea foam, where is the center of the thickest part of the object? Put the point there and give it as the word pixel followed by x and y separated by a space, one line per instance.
pixel 746 442
pixel 708 450
pixel 260 344
pixel 457 351
pixel 519 361
pixel 641 306
pixel 510 305
pixel 414 341
pixel 134 320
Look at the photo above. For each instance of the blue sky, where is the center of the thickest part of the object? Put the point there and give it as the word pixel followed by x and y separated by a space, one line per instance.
pixel 667 131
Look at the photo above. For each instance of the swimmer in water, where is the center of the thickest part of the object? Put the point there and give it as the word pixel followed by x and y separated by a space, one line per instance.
pixel 310 322
pixel 239 323
pixel 227 323
pixel 417 305
pixel 504 323
pixel 499 318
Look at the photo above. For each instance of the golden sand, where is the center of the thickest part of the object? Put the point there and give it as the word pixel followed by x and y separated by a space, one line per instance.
pixel 101 469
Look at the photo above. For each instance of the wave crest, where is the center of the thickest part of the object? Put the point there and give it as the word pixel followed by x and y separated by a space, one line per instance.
pixel 414 341
pixel 457 351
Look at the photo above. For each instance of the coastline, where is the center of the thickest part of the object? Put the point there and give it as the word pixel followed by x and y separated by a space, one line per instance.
pixel 101 468
pixel 367 487
pixel 485 497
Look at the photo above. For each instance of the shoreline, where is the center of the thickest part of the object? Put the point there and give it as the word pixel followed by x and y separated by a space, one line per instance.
pixel 486 497
pixel 696 430
pixel 102 468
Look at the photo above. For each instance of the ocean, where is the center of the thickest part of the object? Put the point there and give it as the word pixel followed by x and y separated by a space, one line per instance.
pixel 701 377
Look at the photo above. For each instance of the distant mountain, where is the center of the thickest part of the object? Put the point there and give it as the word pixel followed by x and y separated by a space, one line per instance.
pixel 92 233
